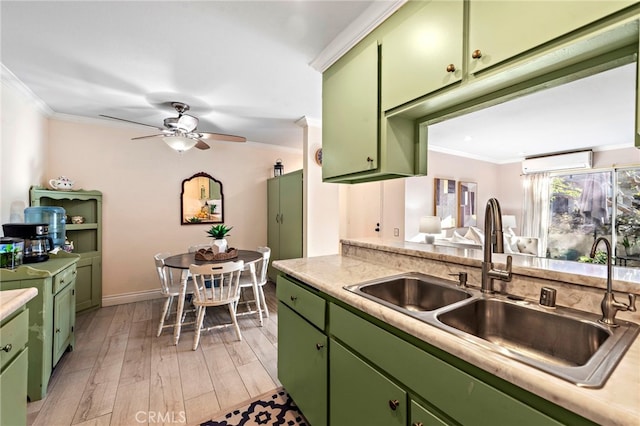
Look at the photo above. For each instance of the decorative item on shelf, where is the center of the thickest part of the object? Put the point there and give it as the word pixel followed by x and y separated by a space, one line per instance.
pixel 61 183
pixel 77 220
pixel 67 246
pixel 210 254
pixel 218 233
pixel 430 225
pixel 278 168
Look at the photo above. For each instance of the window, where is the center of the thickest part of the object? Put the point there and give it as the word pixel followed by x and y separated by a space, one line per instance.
pixel 582 207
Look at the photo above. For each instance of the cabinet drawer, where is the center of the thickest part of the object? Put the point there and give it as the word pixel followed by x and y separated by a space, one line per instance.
pixel 304 302
pixel 456 393
pixel 64 278
pixel 13 337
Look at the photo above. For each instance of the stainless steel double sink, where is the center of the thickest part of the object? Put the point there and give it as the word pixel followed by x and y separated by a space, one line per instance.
pixel 564 342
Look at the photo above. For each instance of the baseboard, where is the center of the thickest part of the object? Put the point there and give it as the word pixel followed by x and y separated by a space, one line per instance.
pixel 138 296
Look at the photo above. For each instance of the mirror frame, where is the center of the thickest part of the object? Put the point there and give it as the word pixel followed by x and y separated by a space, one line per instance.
pixel 183 221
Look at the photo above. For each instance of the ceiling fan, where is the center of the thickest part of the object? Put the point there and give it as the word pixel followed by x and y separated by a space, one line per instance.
pixel 181 133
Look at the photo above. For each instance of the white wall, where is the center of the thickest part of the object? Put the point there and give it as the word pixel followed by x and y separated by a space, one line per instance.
pixel 23 149
pixel 321 200
pixel 141 183
pixel 419 191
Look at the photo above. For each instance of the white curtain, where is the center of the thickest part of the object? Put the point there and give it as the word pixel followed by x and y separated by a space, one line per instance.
pixel 535 216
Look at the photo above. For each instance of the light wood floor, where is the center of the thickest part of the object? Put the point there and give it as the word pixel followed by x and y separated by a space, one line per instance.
pixel 120 373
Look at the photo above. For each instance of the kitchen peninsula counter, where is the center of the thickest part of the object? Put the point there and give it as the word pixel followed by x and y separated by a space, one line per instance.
pixel 616 403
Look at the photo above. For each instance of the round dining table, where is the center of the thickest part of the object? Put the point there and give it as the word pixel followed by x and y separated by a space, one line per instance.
pixel 184 260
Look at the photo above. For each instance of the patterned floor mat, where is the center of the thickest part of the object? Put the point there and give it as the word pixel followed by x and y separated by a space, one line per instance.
pixel 276 408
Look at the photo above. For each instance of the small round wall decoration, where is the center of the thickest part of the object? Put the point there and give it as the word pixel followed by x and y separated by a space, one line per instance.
pixel 318 156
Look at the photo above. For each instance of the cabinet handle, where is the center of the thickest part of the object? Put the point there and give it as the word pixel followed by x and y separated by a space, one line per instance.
pixel 393 404
pixel 57 330
pixel 7 348
pixel 294 298
pixel 418 424
pixel 476 54
pixel 369 160
pixel 451 68
pixel 319 346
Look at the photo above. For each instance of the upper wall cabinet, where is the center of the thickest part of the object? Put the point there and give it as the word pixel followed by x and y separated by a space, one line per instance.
pixel 423 54
pixel 350 114
pixel 499 30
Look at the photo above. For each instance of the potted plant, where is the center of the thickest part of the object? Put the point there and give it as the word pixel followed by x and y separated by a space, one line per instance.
pixel 218 233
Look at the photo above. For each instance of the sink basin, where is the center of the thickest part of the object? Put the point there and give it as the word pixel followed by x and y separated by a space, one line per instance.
pixel 567 343
pixel 412 292
pixel 564 342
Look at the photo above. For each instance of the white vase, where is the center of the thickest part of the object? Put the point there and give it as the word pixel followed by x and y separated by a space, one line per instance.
pixel 219 245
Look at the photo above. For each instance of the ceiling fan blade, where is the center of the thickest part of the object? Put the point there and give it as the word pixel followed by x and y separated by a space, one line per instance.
pixel 201 144
pixel 222 137
pixel 129 121
pixel 150 136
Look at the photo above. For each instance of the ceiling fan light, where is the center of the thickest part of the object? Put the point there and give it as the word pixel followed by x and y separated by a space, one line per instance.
pixel 179 143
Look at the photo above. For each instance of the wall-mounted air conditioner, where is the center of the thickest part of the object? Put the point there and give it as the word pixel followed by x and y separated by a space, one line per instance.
pixel 550 163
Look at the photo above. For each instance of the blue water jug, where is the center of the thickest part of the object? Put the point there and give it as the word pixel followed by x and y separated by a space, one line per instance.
pixel 54 216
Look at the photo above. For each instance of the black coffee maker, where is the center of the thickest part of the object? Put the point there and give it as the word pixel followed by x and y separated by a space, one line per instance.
pixel 37 242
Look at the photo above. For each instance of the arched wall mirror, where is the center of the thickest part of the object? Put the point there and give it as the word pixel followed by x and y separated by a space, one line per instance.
pixel 201 200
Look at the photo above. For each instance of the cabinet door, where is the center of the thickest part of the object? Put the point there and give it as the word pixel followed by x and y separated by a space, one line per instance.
pixel 417 54
pixel 13 391
pixel 360 395
pixel 350 113
pixel 503 29
pixel 88 283
pixel 64 308
pixel 302 364
pixel 291 216
pixel 421 416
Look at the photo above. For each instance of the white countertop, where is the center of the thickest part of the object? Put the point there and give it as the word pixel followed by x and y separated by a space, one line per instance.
pixel 12 300
pixel 617 403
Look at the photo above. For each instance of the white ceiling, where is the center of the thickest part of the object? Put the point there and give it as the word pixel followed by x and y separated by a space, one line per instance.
pixel 596 112
pixel 243 66
pixel 252 68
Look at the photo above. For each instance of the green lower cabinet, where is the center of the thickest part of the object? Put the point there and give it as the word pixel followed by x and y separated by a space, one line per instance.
pixel 360 395
pixel 13 391
pixel 89 283
pixel 420 416
pixel 302 364
pixel 64 312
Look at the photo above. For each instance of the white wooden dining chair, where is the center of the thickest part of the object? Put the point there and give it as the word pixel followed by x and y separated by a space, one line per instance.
pixel 225 290
pixel 246 282
pixel 169 289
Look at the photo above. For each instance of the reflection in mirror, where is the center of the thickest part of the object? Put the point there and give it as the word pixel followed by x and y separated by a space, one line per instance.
pixel 467 204
pixel 445 202
pixel 201 200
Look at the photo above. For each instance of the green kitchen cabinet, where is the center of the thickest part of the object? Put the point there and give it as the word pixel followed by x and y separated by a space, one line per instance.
pixel 501 30
pixel 350 114
pixel 423 416
pixel 302 349
pixel 284 217
pixel 51 314
pixel 360 395
pixel 423 54
pixel 13 368
pixel 357 144
pixel 86 237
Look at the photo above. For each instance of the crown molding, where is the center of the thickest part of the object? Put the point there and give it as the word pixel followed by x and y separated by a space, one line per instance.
pixel 14 82
pixel 373 16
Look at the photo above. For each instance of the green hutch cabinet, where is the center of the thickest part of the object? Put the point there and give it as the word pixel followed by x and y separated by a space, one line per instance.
pixel 86 237
pixel 284 217
pixel 52 314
